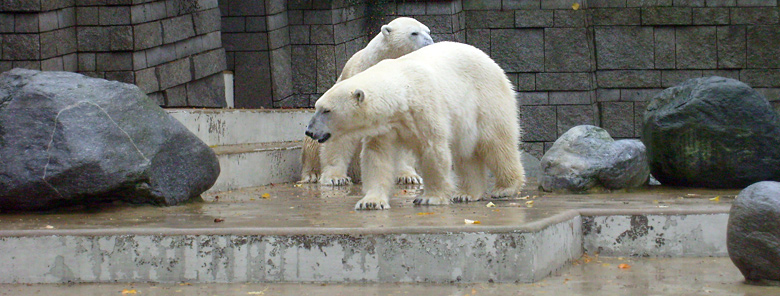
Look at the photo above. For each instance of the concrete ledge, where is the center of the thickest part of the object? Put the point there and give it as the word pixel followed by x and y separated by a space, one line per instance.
pixel 401 257
pixel 219 127
pixel 251 165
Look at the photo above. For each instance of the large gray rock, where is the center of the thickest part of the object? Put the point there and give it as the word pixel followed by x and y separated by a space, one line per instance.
pixel 586 156
pixel 712 132
pixel 753 235
pixel 69 139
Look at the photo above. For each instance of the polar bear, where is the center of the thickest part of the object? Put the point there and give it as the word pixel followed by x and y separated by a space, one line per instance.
pixel 399 37
pixel 449 103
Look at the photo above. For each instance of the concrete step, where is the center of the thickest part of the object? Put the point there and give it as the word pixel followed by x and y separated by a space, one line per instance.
pixel 218 127
pixel 310 233
pixel 593 276
pixel 255 147
pixel 257 164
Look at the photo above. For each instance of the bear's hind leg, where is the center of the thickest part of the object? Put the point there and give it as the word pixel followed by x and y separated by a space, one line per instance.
pixel 310 161
pixel 472 179
pixel 405 172
pixel 503 159
pixel 436 163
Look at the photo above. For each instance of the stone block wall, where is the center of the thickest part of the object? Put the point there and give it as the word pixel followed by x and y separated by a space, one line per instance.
pixel 172 49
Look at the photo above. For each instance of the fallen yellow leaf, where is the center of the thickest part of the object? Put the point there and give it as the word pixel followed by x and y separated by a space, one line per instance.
pixel 605 265
pixel 624 266
pixel 467 221
pixel 529 203
pixel 126 291
pixel 717 198
pixel 525 197
pixel 575 6
pixel 297 185
pixel 425 213
pixel 490 205
pixel 266 195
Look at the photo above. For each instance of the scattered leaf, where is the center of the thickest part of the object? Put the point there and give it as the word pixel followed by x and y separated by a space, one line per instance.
pixel 256 293
pixel 217 220
pixel 49 227
pixel 525 197
pixel 575 6
pixel 185 284
pixel 298 185
pixel 529 203
pixel 266 195
pixel 473 291
pixel 351 212
pixel 655 201
pixel 496 210
pixel 606 265
pixel 490 205
pixel 715 199
pixel 425 213
pixel 467 221
pixel 624 266
pixel 127 291
pixel 692 194
pixel 663 206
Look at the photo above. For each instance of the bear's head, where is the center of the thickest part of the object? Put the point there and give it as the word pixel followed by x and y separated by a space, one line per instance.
pixel 352 107
pixel 405 34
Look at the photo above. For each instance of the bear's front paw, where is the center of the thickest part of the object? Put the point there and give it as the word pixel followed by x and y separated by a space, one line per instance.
pixel 503 192
pixel 429 200
pixel 409 178
pixel 309 178
pixel 463 197
pixel 372 202
pixel 335 180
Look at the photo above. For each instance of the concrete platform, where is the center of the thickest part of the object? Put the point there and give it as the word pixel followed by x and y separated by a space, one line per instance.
pixel 255 147
pixel 591 276
pixel 308 233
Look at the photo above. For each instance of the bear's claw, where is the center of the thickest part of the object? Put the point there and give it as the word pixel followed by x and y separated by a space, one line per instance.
pixel 372 203
pixel 336 181
pixel 430 201
pixel 463 198
pixel 409 179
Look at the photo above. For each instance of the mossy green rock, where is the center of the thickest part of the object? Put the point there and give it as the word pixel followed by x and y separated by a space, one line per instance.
pixel 712 132
pixel 67 139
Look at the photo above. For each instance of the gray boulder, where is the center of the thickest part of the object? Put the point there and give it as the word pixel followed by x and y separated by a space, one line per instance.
pixel 68 139
pixel 712 132
pixel 753 235
pixel 586 157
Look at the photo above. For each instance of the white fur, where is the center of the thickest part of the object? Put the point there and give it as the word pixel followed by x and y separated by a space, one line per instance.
pixel 399 37
pixel 449 103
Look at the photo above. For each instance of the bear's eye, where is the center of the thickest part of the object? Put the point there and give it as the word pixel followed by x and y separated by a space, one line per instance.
pixel 414 33
pixel 326 111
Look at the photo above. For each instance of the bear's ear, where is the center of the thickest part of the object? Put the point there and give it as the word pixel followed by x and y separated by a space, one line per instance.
pixel 386 30
pixel 358 95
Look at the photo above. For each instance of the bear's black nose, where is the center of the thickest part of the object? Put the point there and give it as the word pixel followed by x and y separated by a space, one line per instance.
pixel 310 134
pixel 324 138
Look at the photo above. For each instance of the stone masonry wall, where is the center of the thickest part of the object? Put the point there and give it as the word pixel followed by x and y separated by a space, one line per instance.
pixel 596 64
pixel 171 49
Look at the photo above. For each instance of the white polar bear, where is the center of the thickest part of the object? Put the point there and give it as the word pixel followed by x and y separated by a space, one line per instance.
pixel 449 103
pixel 399 37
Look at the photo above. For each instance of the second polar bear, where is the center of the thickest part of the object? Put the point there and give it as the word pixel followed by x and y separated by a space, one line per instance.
pixel 449 103
pixel 329 163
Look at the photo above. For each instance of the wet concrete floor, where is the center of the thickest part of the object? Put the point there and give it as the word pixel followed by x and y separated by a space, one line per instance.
pixel 588 276
pixel 311 206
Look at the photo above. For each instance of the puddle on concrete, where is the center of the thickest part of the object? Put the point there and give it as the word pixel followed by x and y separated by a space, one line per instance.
pixel 313 205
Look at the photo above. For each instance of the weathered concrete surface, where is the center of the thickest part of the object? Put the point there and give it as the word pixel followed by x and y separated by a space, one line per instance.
pixel 251 165
pixel 598 277
pixel 254 147
pixel 656 235
pixel 231 127
pixel 398 257
pixel 301 233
